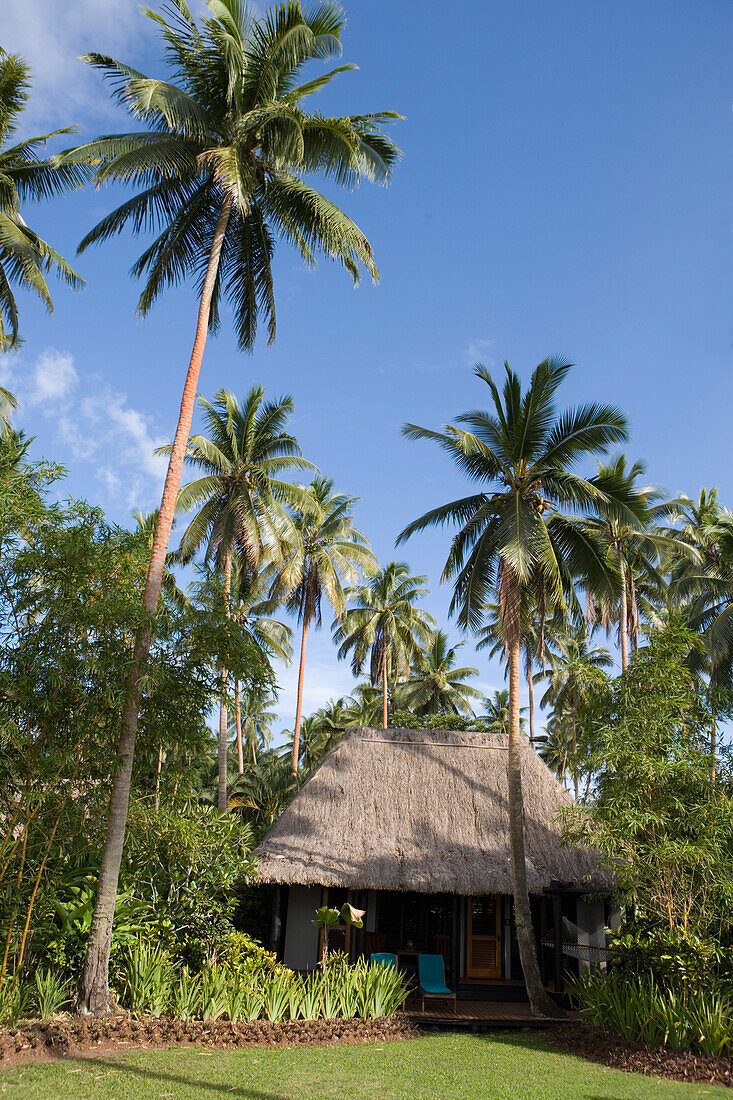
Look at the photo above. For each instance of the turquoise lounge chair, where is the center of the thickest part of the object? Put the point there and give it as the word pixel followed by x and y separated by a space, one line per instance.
pixel 431 973
pixel 382 958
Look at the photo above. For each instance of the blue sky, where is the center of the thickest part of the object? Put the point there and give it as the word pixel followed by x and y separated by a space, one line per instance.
pixel 565 188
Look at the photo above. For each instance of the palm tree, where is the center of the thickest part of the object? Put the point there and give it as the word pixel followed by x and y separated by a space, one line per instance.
pixel 385 626
pixel 264 790
pixel 316 739
pixel 700 564
pixel 219 170
pixel 240 497
pixel 253 721
pixel 558 744
pixel 8 405
pixel 634 549
pixel 25 258
pixel 366 705
pixel 576 670
pixel 251 609
pixel 513 537
pixel 534 642
pixel 327 552
pixel 497 713
pixel 436 685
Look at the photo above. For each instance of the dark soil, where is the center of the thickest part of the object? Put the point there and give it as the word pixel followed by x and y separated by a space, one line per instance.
pixel 611 1050
pixel 32 1041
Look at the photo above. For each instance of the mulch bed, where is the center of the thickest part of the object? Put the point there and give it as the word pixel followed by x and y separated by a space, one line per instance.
pixel 76 1038
pixel 610 1050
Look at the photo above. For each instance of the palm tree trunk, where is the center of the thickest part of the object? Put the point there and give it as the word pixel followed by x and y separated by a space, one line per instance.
pixel 623 616
pixel 223 711
pixel 540 1003
pixel 713 721
pixel 240 757
pixel 299 703
pixel 530 692
pixel 385 697
pixel 575 748
pixel 93 993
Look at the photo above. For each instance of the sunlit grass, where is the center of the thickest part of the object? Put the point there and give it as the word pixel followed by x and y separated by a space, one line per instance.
pixel 450 1066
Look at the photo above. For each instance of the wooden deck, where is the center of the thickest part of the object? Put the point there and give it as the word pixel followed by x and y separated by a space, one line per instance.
pixel 479 1015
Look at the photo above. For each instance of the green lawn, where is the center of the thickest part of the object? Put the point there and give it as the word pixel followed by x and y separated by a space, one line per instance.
pixel 505 1067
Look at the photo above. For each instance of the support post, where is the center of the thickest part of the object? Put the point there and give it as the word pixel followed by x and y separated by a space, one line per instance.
pixel 455 934
pixel 278 921
pixel 557 942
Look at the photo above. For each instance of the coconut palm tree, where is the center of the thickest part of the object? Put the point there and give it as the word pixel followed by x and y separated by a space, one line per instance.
pixel 700 564
pixel 8 405
pixel 26 174
pixel 633 548
pixel 240 499
pixel 365 705
pixel 326 553
pixel 252 609
pixel 436 686
pixel 254 718
pixel 496 714
pixel 386 626
pixel 536 631
pixel 219 170
pixel 263 791
pixel 575 671
pixel 513 536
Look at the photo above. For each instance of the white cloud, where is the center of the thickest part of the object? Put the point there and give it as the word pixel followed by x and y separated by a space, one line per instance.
pixel 117 422
pixel 51 36
pixel 478 352
pixel 54 377
pixel 101 428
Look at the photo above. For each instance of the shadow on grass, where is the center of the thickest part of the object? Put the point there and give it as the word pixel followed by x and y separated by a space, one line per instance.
pixel 244 1092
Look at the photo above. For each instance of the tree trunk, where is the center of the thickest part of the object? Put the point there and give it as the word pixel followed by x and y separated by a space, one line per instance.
pixel 93 993
pixel 530 692
pixel 540 1003
pixel 157 777
pixel 623 616
pixel 299 703
pixel 223 710
pixel 385 696
pixel 575 748
pixel 238 712
pixel 713 721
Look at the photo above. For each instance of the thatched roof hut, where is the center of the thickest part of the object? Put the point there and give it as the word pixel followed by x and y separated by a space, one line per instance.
pixel 422 811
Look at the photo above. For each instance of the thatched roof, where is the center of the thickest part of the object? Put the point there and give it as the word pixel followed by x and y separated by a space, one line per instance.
pixel 423 811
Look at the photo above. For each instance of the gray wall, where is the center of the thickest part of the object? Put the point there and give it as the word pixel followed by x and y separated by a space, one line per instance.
pixel 301 938
pixel 591 926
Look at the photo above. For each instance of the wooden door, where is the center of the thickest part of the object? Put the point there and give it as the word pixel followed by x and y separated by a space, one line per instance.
pixel 484 937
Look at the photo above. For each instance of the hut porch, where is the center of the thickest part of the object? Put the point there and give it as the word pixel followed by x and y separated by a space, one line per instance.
pixel 475 936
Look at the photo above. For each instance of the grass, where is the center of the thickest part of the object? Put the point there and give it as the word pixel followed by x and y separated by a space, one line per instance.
pixel 445 1066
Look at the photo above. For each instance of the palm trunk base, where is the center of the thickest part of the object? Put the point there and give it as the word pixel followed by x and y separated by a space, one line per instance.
pixel 540 1002
pixel 93 995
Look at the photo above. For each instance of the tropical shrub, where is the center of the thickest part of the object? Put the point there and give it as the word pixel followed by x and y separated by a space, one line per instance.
pixel 51 995
pixel 15 1000
pixel 182 863
pixel 661 819
pixel 643 1011
pixel 675 959
pixel 266 990
pixel 245 958
pixel 147 978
